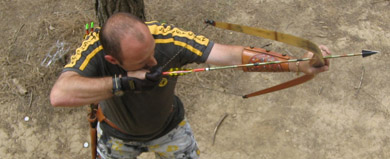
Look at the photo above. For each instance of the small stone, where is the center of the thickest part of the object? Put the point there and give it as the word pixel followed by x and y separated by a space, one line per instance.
pixel 51 27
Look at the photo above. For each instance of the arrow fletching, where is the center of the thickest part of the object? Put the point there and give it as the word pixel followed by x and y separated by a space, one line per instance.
pixel 177 72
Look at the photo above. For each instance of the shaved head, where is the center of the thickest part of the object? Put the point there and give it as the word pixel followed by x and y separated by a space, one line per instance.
pixel 115 29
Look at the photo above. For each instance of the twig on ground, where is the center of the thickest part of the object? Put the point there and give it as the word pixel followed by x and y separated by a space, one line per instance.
pixel 14 40
pixel 197 77
pixel 320 91
pixel 288 52
pixel 218 124
pixel 21 89
pixel 30 103
pixel 321 36
pixel 16 34
pixel 380 1
pixel 361 81
pixel 266 45
pixel 11 44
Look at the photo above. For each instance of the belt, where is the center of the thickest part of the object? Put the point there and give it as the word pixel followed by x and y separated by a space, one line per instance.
pixel 101 118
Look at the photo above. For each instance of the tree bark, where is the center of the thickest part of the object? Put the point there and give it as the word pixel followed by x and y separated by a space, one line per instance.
pixel 105 8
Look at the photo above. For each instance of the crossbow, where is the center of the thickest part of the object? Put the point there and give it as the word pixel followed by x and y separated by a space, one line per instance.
pixel 317 60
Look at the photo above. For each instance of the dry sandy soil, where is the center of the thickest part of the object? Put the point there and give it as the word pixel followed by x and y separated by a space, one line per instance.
pixel 341 114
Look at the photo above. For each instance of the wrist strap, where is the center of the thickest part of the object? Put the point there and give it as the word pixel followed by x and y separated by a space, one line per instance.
pixel 116 84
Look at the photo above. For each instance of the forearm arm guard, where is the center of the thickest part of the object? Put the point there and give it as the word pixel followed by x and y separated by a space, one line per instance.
pixel 255 55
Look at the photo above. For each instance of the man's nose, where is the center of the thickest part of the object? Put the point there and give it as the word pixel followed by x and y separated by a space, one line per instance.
pixel 152 62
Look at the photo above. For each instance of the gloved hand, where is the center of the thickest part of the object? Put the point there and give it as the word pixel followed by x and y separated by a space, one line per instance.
pixel 154 75
pixel 152 79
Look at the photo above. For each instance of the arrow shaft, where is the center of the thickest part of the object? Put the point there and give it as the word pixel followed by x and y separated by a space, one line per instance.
pixel 182 72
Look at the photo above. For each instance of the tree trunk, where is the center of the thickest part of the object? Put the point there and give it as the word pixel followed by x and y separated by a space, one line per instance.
pixel 105 8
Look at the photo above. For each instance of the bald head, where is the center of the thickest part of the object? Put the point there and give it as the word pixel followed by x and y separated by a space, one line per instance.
pixel 115 29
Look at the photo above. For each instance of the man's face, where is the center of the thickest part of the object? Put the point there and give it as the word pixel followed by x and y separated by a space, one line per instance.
pixel 138 55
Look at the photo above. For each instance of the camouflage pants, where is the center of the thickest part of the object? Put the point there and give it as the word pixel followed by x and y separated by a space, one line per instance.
pixel 177 144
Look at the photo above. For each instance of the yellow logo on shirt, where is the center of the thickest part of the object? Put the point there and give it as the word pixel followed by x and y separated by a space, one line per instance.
pixel 163 82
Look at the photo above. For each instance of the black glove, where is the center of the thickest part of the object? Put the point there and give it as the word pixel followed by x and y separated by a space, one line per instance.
pixel 154 75
pixel 152 79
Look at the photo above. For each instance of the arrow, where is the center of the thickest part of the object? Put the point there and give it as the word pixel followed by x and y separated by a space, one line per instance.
pixel 180 72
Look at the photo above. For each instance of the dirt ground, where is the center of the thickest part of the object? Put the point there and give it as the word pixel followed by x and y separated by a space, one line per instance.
pixel 341 114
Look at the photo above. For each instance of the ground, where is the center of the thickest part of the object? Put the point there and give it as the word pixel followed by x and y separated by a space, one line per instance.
pixel 341 114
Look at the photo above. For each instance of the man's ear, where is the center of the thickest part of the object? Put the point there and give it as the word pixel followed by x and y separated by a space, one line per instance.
pixel 111 59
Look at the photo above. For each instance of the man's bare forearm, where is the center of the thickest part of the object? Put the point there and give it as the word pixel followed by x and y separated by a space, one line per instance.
pixel 71 89
pixel 225 55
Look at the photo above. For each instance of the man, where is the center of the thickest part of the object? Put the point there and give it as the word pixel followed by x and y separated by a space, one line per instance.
pixel 140 109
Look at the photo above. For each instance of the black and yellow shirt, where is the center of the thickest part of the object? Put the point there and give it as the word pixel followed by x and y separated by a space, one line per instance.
pixel 150 114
